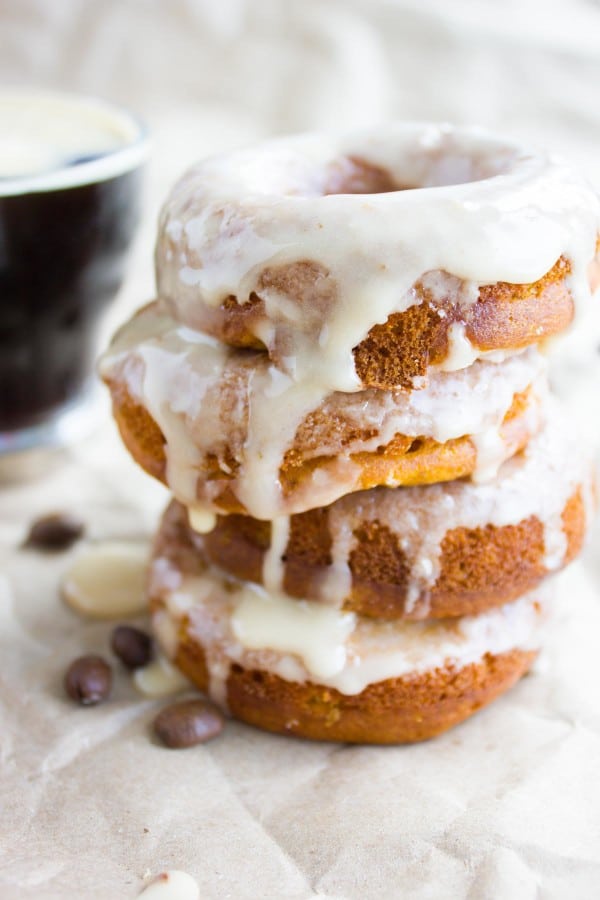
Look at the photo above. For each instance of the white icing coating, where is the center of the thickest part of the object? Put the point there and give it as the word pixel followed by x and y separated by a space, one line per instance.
pixel 475 209
pixel 166 627
pixel 214 402
pixel 489 445
pixel 537 482
pixel 461 352
pixel 273 563
pixel 159 678
pixel 314 632
pixel 336 582
pixel 107 580
pixel 201 519
pixel 301 641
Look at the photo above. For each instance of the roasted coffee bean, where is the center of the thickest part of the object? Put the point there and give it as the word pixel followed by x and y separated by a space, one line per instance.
pixel 188 723
pixel 88 680
pixel 132 646
pixel 57 531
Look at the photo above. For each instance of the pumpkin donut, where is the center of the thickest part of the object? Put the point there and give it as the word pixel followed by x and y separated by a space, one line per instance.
pixel 449 549
pixel 308 670
pixel 379 256
pixel 215 424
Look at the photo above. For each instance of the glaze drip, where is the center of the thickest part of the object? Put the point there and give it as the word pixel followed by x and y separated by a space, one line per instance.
pixel 231 419
pixel 236 622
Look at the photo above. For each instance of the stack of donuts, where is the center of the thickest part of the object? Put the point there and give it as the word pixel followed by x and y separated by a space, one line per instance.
pixel 343 383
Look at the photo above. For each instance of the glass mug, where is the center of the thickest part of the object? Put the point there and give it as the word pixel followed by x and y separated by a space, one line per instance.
pixel 70 177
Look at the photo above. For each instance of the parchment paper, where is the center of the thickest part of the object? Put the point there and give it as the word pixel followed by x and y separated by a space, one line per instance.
pixel 505 807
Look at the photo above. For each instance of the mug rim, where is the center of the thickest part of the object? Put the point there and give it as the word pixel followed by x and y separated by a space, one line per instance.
pixel 111 164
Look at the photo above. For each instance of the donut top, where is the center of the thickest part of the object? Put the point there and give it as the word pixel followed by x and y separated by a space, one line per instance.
pixel 366 216
pixel 212 401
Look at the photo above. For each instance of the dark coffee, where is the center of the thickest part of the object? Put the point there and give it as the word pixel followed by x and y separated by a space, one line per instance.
pixel 62 255
pixel 63 243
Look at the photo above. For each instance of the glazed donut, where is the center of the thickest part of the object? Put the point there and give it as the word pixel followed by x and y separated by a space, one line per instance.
pixel 373 258
pixel 442 550
pixel 219 427
pixel 309 670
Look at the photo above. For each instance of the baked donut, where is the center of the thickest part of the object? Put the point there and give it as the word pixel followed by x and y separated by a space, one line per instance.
pixel 229 432
pixel 343 363
pixel 309 670
pixel 373 258
pixel 442 550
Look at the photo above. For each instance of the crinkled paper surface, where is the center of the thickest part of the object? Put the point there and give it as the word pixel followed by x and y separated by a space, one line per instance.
pixel 505 807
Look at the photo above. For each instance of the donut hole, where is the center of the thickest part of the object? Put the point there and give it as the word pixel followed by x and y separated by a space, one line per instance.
pixel 450 166
pixel 400 158
pixel 445 160
pixel 352 175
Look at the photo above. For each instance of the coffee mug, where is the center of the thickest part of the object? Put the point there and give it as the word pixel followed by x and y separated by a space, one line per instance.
pixel 70 177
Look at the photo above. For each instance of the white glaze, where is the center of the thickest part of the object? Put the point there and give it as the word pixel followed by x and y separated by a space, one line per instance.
pixel 273 562
pixel 461 352
pixel 210 400
pixel 159 678
pixel 201 519
pixel 300 641
pixel 481 209
pixel 314 632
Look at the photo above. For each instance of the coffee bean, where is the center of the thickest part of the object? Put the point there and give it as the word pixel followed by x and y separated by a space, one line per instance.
pixel 57 531
pixel 88 680
pixel 132 646
pixel 188 723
